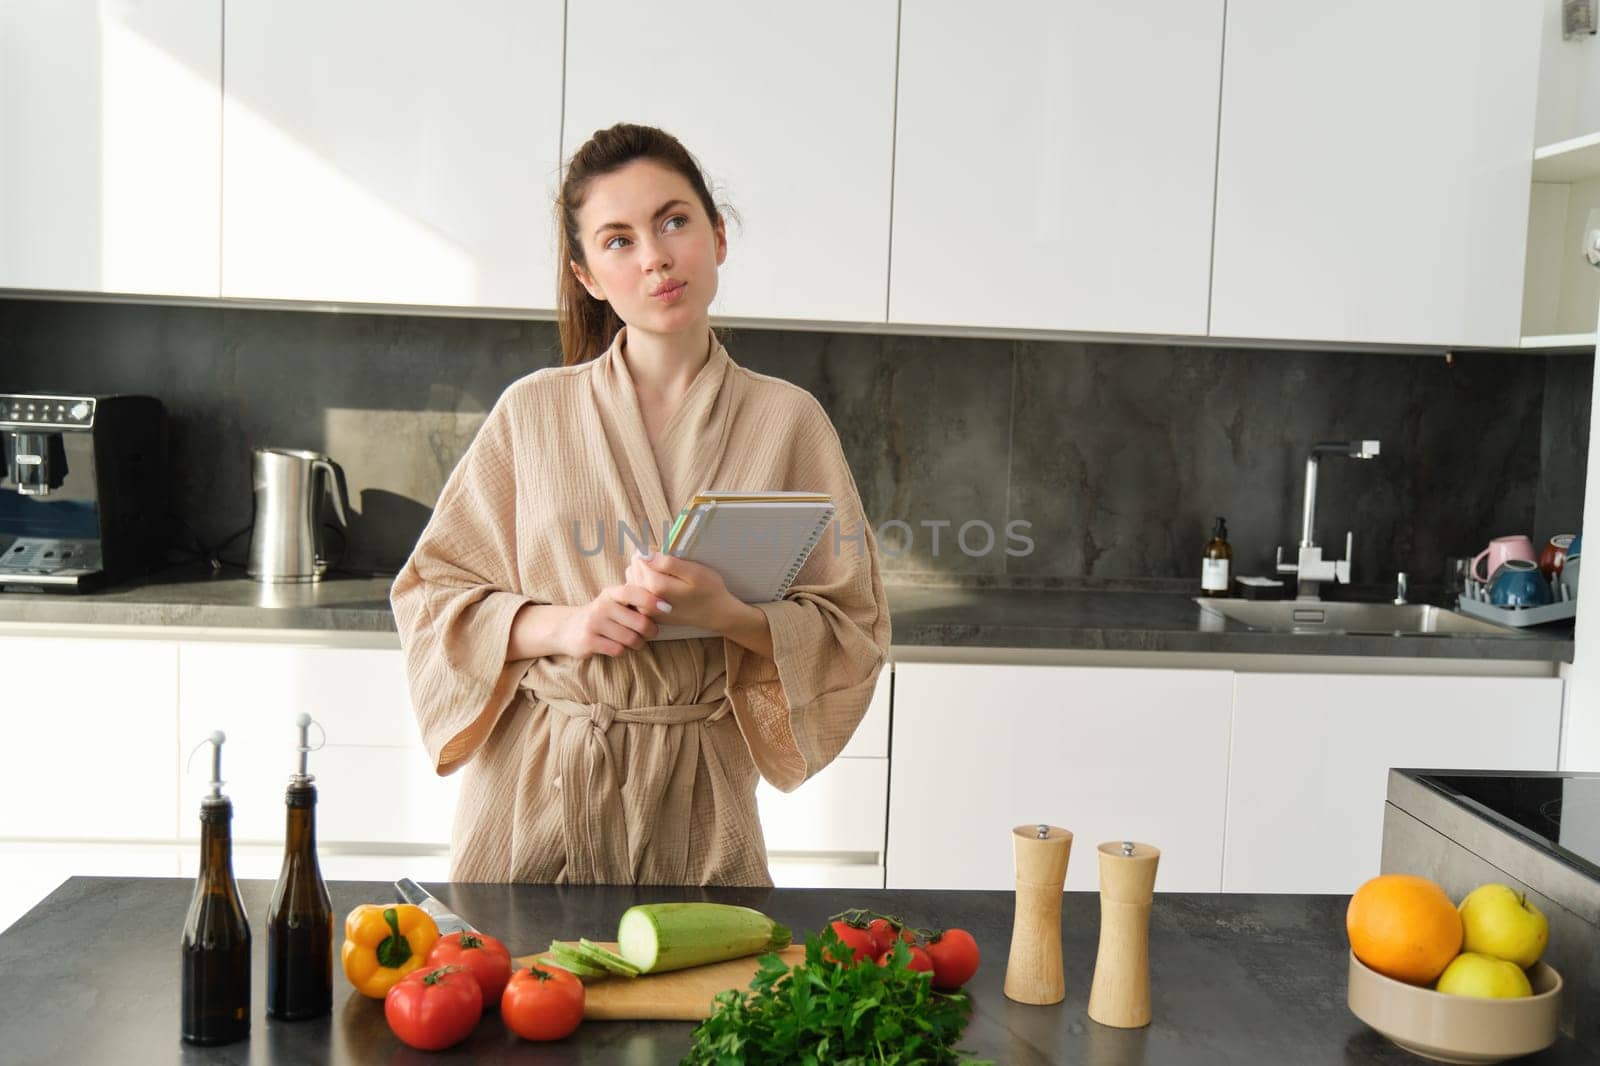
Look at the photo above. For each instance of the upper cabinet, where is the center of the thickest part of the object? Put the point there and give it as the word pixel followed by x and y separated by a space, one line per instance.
pixel 110 135
pixel 1331 174
pixel 1054 163
pixel 1561 290
pixel 392 152
pixel 1373 170
pixel 790 110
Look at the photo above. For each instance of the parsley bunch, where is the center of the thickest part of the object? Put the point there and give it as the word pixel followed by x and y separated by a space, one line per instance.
pixel 822 1012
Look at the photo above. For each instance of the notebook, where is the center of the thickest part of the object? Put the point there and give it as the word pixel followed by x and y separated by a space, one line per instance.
pixel 757 541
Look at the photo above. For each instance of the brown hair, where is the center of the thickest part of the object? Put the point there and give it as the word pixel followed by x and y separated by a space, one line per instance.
pixel 589 325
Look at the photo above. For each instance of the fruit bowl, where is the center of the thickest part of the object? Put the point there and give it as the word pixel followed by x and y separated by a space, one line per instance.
pixel 1458 1028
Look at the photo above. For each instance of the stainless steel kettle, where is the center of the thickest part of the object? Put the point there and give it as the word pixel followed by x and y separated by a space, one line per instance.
pixel 286 536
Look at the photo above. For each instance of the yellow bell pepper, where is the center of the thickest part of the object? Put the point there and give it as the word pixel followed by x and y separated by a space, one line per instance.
pixel 384 943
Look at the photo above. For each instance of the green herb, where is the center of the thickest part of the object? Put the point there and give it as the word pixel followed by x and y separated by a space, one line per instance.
pixel 820 1012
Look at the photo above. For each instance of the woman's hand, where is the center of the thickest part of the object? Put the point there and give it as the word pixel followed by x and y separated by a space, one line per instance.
pixel 693 592
pixel 621 617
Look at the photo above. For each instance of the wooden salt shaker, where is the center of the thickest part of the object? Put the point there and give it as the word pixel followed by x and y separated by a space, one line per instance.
pixel 1034 971
pixel 1120 993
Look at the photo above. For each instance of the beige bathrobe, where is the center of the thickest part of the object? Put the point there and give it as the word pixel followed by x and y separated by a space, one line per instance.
pixel 640 768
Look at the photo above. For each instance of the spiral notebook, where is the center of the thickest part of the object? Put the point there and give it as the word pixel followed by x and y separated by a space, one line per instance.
pixel 757 541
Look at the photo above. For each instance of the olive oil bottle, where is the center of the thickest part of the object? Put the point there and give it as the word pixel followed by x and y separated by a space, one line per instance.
pixel 300 920
pixel 216 934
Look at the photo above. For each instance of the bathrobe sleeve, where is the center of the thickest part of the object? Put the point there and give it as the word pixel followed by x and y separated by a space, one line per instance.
pixel 455 598
pixel 830 632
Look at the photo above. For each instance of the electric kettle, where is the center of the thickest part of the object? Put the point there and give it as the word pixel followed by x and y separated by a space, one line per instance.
pixel 286 536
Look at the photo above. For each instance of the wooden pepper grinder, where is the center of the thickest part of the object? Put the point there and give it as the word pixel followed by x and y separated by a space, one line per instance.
pixel 1033 971
pixel 1120 993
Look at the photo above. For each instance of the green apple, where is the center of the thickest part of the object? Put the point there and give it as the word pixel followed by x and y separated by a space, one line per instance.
pixel 1497 920
pixel 1483 976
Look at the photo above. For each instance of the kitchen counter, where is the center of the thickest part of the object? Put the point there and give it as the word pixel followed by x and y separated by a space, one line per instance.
pixel 923 616
pixel 92 974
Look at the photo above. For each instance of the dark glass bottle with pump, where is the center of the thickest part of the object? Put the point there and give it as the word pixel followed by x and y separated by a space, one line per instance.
pixel 216 934
pixel 300 920
pixel 1216 567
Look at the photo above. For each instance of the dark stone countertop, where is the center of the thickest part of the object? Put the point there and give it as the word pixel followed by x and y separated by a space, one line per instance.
pixel 923 615
pixel 91 975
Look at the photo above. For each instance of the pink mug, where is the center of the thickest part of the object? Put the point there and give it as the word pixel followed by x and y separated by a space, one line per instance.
pixel 1499 550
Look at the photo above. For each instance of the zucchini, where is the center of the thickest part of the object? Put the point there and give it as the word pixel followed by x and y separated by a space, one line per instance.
pixel 568 958
pixel 657 937
pixel 609 959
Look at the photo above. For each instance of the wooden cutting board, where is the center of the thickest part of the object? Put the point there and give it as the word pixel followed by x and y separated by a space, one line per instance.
pixel 677 996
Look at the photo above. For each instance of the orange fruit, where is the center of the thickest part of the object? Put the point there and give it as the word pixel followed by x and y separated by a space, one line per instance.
pixel 1404 927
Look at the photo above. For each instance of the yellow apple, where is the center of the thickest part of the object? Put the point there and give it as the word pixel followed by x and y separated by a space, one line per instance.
pixel 1483 976
pixel 1497 920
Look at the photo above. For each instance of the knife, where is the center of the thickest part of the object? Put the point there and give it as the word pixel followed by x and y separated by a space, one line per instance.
pixel 447 920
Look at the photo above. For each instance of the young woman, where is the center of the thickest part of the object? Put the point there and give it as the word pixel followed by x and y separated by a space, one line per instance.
pixel 591 753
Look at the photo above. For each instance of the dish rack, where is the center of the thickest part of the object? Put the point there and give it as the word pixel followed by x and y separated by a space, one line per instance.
pixel 1475 602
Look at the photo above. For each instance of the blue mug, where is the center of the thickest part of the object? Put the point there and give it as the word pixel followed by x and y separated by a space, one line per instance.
pixel 1518 583
pixel 1575 549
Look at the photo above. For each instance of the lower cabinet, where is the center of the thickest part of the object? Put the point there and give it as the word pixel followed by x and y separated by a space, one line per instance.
pixel 1311 754
pixel 374 781
pixel 89 727
pixel 108 785
pixel 1247 782
pixel 829 832
pixel 34 869
pixel 1110 754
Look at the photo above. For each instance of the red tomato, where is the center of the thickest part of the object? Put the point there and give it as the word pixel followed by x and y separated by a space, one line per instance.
pixel 955 958
pixel 542 1004
pixel 883 932
pixel 434 1008
pixel 919 961
pixel 484 956
pixel 858 940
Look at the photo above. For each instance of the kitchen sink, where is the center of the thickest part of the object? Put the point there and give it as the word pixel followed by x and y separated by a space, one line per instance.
pixel 1387 619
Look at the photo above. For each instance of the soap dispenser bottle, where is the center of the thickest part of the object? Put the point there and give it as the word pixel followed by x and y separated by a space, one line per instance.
pixel 300 919
pixel 1217 565
pixel 216 935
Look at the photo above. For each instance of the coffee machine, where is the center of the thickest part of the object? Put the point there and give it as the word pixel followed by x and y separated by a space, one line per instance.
pixel 83 490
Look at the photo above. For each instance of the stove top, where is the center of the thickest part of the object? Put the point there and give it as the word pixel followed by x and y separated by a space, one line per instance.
pixel 1558 812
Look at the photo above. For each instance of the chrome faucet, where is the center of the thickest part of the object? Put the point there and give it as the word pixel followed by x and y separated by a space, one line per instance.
pixel 1311 570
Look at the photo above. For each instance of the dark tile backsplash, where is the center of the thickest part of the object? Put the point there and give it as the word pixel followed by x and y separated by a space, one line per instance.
pixel 1117 457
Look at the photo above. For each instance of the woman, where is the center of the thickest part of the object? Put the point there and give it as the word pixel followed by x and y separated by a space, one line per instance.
pixel 590 754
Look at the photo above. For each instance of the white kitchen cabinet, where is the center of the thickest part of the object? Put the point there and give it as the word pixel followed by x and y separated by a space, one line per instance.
pixel 1311 755
pixel 35 869
pixel 392 152
pixel 1054 164
pixel 374 783
pixel 110 145
pixel 90 731
pixel 263 862
pixel 1108 753
pixel 798 872
pixel 790 110
pixel 829 832
pixel 871 738
pixel 1373 170
pixel 841 809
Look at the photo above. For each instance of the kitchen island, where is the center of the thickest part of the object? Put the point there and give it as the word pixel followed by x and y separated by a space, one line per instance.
pixel 91 975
